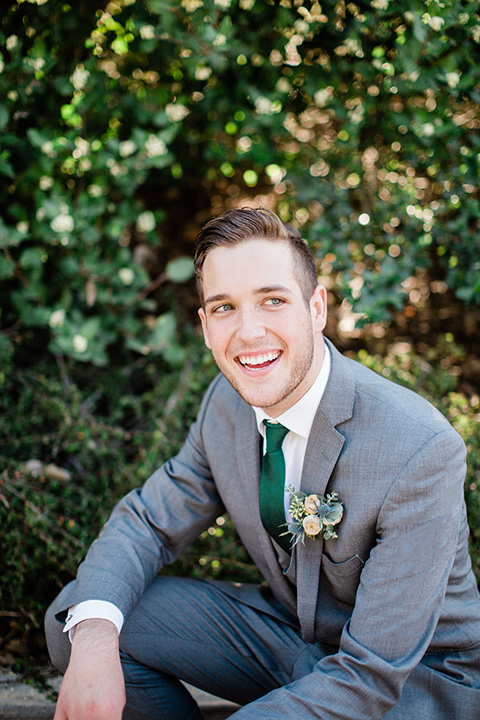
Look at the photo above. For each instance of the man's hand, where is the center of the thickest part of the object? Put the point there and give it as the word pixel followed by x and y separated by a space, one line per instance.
pixel 93 687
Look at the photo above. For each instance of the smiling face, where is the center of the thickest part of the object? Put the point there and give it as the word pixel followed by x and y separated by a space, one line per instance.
pixel 264 337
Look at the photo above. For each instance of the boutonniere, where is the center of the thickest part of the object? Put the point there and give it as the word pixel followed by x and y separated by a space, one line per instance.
pixel 313 515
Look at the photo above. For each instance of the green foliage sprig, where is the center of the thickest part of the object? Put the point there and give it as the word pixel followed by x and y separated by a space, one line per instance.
pixel 359 119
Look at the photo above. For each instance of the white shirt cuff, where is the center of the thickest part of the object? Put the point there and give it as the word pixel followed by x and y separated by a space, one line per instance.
pixel 92 610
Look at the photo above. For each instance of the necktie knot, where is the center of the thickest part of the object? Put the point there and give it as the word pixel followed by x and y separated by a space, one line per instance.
pixel 274 435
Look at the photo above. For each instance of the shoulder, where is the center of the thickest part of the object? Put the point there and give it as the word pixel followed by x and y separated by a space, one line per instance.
pixel 221 402
pixel 382 402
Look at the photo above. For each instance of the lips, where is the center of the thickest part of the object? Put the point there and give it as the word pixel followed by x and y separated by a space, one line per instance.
pixel 259 361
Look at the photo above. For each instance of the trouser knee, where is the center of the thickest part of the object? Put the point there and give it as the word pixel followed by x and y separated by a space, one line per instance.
pixel 58 643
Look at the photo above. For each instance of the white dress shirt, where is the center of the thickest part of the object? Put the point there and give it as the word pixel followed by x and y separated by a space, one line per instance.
pixel 298 419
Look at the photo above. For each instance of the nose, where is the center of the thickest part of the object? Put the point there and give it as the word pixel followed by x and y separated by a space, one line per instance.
pixel 249 328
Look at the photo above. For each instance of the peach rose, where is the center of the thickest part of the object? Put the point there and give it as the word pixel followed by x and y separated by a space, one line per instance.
pixel 311 504
pixel 312 524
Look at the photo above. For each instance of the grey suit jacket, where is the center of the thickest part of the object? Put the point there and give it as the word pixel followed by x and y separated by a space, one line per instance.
pixel 394 587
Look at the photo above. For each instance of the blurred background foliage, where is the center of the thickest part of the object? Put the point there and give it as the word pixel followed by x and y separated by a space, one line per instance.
pixel 123 127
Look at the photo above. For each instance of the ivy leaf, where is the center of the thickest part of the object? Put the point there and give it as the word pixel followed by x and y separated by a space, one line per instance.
pixel 180 270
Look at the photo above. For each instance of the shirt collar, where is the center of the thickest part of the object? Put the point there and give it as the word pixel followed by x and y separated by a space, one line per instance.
pixel 299 418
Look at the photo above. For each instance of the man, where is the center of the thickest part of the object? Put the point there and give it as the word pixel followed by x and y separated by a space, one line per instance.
pixel 375 616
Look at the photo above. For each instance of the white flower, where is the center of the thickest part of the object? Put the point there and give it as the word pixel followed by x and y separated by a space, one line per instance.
pixel 147 32
pixel 45 182
pixel 95 190
pixel 221 39
pixel 126 148
pixel 62 223
pixel 23 226
pixel 352 46
pixel 436 22
pixel 202 72
pixel 117 170
pixel 79 77
pixel 57 318
pixel 476 33
pixel 12 42
pixel 176 112
pixel 146 221
pixel 356 116
pixel 2 65
pixel 192 5
pixel 247 4
pixel 380 4
pixel 453 79
pixel 80 343
pixel 35 63
pixel 463 18
pixel 428 129
pixel 48 148
pixel 154 146
pixel 311 504
pixel 283 85
pixel 322 97
pixel 223 3
pixel 265 106
pixel 82 147
pixel 126 275
pixel 312 524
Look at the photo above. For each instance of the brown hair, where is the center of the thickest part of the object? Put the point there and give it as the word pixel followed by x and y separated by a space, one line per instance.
pixel 236 226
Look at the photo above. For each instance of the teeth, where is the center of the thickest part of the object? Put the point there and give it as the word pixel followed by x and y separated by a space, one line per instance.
pixel 258 359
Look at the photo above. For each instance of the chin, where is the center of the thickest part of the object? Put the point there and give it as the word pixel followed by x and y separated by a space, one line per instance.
pixel 259 399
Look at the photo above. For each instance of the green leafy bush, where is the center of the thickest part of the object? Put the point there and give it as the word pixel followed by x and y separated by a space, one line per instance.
pixel 123 126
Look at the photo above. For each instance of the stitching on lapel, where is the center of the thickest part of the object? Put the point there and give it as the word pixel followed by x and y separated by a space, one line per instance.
pixel 323 449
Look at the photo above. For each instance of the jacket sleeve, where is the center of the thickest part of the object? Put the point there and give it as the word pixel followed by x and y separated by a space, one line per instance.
pixel 151 526
pixel 398 601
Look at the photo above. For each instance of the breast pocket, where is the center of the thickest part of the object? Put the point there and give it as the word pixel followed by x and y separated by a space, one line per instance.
pixel 341 579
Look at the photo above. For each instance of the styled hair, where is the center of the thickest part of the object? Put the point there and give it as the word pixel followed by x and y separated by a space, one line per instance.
pixel 236 226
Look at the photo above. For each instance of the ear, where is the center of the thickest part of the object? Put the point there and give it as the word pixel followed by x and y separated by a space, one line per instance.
pixel 203 319
pixel 318 305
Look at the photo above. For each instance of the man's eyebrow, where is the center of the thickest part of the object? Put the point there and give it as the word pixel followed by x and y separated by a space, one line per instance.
pixel 267 290
pixel 273 289
pixel 216 298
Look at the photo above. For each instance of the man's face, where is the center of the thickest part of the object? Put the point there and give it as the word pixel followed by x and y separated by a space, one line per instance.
pixel 264 338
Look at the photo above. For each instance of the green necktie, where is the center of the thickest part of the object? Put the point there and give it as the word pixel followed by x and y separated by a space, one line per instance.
pixel 272 484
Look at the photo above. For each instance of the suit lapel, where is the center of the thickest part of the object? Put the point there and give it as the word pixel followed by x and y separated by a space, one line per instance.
pixel 323 449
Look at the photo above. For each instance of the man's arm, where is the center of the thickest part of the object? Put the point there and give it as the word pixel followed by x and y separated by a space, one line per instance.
pixel 398 601
pixel 93 687
pixel 150 527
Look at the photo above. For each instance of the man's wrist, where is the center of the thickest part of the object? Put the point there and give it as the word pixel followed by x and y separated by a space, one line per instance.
pixel 97 627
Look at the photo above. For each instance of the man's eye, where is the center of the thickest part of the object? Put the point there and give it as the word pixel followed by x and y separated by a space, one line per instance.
pixel 222 308
pixel 274 301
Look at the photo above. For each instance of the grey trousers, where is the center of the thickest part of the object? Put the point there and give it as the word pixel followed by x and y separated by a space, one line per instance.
pixel 202 633
pixel 239 643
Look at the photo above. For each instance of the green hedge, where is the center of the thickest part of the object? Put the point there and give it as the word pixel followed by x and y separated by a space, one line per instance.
pixel 123 127
pixel 69 457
